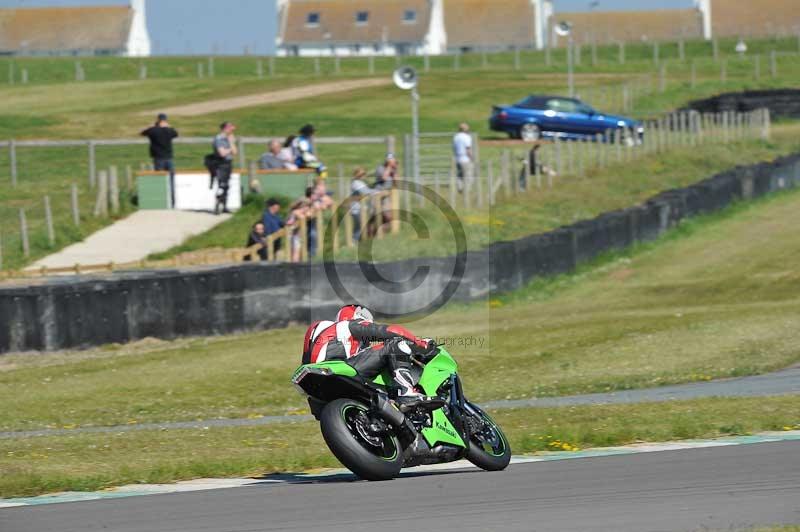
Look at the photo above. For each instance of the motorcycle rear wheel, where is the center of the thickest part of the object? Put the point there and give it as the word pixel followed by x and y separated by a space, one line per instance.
pixel 370 456
pixel 489 448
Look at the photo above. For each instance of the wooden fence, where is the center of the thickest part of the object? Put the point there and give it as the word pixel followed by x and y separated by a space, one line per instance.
pixel 375 210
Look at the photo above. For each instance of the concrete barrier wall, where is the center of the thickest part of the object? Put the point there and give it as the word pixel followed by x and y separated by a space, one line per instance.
pixel 84 312
pixel 782 103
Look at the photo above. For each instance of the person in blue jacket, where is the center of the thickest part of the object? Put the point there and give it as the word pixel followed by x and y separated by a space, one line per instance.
pixel 272 221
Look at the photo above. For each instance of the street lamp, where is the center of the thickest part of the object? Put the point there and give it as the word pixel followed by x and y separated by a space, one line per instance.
pixel 564 29
pixel 406 78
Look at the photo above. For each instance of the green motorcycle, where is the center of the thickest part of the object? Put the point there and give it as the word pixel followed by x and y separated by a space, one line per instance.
pixel 374 438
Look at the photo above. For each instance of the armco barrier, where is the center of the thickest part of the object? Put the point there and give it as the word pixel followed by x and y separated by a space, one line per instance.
pixel 81 312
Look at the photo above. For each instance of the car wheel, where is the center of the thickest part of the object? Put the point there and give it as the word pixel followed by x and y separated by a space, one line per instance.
pixel 530 132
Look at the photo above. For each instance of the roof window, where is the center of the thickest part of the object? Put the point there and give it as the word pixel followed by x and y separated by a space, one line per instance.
pixel 312 19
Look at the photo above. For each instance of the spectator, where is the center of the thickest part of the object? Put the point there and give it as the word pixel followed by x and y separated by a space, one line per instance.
pixel 272 221
pixel 299 210
pixel 272 159
pixel 358 189
pixel 304 152
pixel 160 136
pixel 225 148
pixel 536 168
pixel 258 235
pixel 386 173
pixel 318 200
pixel 462 151
pixel 287 152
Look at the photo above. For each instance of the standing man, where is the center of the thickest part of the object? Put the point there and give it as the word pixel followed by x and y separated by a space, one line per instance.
pixel 462 151
pixel 161 135
pixel 225 148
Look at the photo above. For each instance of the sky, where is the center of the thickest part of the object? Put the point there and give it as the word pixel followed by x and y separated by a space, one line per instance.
pixel 236 26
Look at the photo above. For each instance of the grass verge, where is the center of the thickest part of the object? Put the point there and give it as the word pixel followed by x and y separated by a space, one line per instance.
pixel 716 298
pixel 92 461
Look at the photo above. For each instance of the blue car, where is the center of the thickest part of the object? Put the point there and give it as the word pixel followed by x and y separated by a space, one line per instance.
pixel 538 117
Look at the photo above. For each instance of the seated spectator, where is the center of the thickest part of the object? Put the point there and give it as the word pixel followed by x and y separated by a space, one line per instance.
pixel 358 189
pixel 257 236
pixel 386 173
pixel 306 155
pixel 272 221
pixel 272 159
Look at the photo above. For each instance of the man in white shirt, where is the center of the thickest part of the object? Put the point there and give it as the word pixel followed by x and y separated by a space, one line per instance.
pixel 462 151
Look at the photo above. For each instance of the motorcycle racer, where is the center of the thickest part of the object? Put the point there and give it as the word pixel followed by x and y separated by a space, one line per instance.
pixel 366 346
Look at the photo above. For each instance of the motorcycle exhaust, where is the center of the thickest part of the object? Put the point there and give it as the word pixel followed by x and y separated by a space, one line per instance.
pixel 389 412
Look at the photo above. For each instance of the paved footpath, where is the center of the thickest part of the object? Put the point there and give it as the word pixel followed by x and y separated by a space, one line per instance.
pixel 785 382
pixel 134 238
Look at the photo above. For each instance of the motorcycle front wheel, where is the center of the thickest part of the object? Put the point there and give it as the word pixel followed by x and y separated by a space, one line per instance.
pixel 488 446
pixel 345 428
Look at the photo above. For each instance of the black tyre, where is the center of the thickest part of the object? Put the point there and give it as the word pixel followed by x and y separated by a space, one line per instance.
pixel 488 446
pixel 370 456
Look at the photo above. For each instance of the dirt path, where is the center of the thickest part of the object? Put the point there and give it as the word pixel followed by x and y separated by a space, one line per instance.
pixel 132 238
pixel 266 98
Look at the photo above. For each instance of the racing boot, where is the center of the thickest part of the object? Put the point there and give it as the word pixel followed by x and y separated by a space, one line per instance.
pixel 409 398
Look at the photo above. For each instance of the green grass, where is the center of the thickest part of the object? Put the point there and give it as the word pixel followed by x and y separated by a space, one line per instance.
pixel 94 461
pixel 571 199
pixel 109 103
pixel 715 298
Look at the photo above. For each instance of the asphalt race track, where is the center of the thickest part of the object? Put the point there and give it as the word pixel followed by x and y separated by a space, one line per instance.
pixel 720 488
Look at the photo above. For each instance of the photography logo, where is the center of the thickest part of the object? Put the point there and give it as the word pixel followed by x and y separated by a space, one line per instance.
pixel 414 286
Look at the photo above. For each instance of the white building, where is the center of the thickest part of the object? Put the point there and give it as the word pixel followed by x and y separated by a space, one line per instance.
pixel 91 30
pixel 408 27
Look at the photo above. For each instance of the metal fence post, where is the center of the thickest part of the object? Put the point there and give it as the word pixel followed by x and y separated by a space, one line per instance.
pixel 92 164
pixel 12 156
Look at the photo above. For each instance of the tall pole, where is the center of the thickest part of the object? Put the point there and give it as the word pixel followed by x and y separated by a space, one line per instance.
pixel 415 132
pixel 570 67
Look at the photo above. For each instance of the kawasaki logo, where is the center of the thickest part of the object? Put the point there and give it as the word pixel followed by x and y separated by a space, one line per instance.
pixel 446 430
